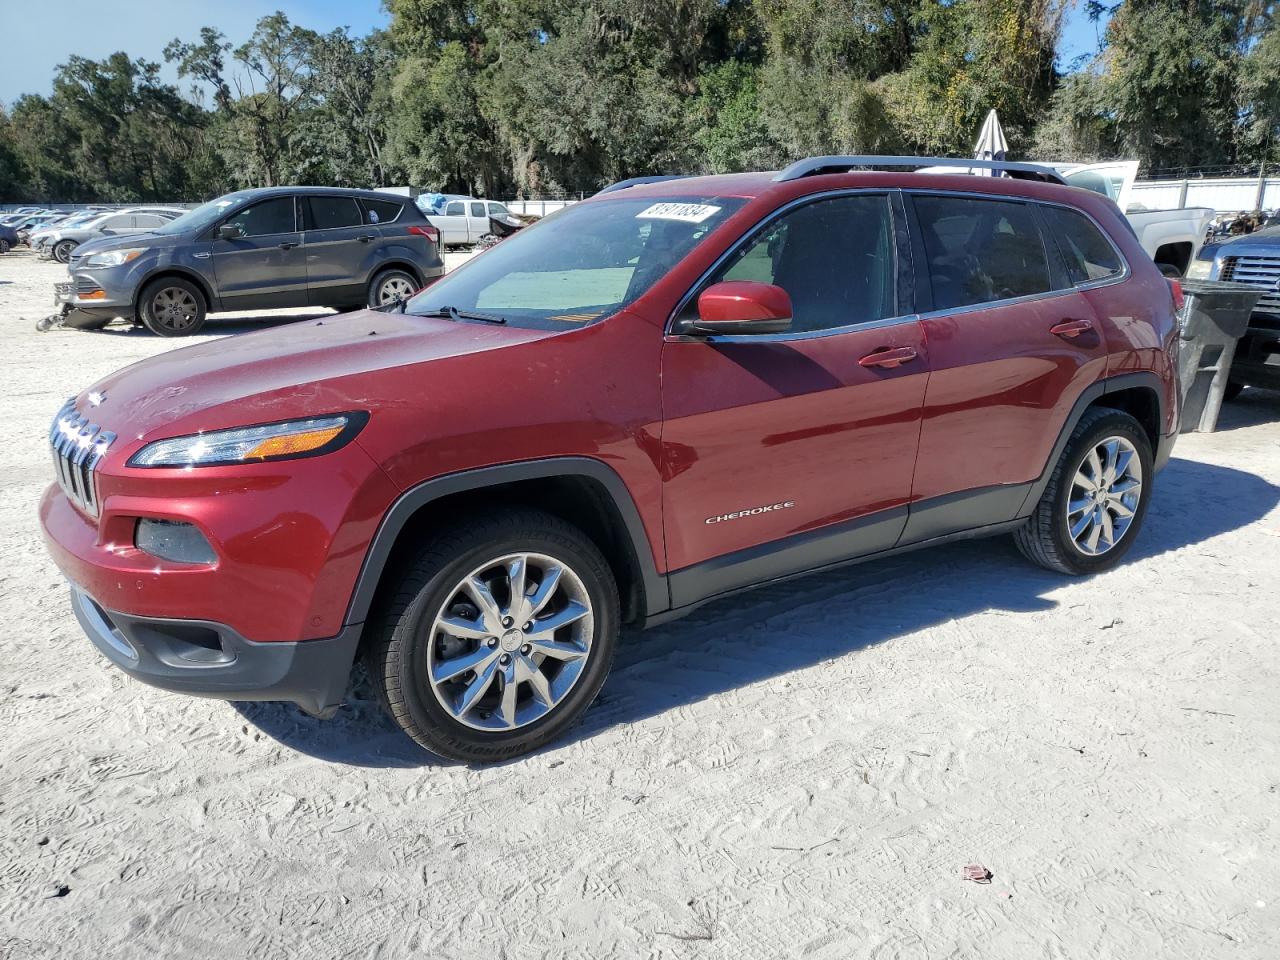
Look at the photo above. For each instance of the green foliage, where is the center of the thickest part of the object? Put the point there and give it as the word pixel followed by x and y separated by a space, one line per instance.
pixel 540 96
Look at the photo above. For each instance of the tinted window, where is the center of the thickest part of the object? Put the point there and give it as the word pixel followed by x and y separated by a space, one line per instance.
pixel 1086 251
pixel 330 212
pixel 148 220
pixel 497 210
pixel 265 218
pixel 834 258
pixel 455 209
pixel 981 250
pixel 477 210
pixel 380 211
pixel 119 222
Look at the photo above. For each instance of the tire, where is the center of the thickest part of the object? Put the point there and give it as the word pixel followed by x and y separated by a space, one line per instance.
pixel 4 246
pixel 406 641
pixel 1233 390
pixel 384 286
pixel 62 250
pixel 1170 271
pixel 1046 537
pixel 172 307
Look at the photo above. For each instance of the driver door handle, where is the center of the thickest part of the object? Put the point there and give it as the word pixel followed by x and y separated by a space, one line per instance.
pixel 1071 328
pixel 889 358
pixel 288 245
pixel 366 238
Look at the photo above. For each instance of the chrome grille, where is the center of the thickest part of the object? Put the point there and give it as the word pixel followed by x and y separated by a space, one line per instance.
pixel 1259 272
pixel 78 446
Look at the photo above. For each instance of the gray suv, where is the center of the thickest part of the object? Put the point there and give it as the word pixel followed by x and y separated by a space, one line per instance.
pixel 252 250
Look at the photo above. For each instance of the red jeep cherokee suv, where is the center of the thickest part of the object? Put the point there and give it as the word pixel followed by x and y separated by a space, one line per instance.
pixel 680 388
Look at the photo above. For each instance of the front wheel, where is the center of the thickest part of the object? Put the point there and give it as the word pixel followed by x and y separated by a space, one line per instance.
pixel 391 285
pixel 4 246
pixel 1092 509
pixel 498 636
pixel 63 249
pixel 172 307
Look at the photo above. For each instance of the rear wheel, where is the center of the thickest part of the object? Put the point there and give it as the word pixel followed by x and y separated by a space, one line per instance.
pixel 498 637
pixel 172 307
pixel 62 250
pixel 1092 509
pixel 391 284
pixel 4 245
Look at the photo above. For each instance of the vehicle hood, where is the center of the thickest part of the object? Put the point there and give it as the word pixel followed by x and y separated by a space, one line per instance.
pixel 1267 242
pixel 95 242
pixel 327 365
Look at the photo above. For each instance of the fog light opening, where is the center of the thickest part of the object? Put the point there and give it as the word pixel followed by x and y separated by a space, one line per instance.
pixel 174 541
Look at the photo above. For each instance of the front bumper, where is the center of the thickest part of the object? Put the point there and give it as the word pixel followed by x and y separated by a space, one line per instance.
pixel 94 293
pixel 208 659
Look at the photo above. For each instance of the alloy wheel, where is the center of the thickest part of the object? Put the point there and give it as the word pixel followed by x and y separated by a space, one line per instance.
pixel 393 288
pixel 510 642
pixel 174 308
pixel 1104 496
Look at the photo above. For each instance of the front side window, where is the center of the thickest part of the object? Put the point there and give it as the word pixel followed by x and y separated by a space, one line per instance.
pixel 148 220
pixel 1086 251
pixel 455 209
pixel 497 210
pixel 118 222
pixel 835 259
pixel 980 251
pixel 580 264
pixel 327 213
pixel 265 218
pixel 477 210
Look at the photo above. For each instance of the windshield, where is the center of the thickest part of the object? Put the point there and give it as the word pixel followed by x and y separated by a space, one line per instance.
pixel 579 264
pixel 203 216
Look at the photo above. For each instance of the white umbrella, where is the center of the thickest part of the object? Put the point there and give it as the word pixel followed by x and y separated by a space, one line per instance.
pixel 991 143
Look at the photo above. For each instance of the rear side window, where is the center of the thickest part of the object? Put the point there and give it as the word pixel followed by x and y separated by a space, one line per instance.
pixel 326 213
pixel 833 257
pixel 380 211
pixel 981 251
pixel 1087 253
pixel 265 218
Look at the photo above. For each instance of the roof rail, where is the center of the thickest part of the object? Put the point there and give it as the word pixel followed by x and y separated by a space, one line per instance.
pixel 637 181
pixel 814 165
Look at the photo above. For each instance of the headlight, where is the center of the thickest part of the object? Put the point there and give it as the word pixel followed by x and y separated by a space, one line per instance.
pixel 1199 269
pixel 113 258
pixel 270 441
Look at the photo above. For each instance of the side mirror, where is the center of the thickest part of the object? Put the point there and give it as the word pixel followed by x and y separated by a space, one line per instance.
pixel 738 307
pixel 230 231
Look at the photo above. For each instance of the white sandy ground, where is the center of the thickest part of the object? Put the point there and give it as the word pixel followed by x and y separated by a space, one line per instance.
pixel 800 772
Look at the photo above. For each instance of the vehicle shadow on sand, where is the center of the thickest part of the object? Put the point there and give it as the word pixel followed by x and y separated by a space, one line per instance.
pixel 218 324
pixel 788 626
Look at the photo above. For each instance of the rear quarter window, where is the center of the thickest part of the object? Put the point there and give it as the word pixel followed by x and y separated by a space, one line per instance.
pixel 327 213
pixel 381 211
pixel 1088 254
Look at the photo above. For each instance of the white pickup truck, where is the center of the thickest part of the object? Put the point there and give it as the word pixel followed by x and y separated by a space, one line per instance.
pixel 1171 238
pixel 462 220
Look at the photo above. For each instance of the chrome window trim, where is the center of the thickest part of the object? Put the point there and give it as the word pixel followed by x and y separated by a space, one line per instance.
pixel 1123 275
pixel 749 235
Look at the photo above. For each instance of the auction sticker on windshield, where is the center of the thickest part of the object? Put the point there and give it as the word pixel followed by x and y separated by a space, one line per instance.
pixel 685 212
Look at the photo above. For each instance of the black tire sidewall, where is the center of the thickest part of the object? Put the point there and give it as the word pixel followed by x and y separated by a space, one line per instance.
pixel 379 279
pixel 148 294
pixel 65 245
pixel 1115 424
pixel 445 735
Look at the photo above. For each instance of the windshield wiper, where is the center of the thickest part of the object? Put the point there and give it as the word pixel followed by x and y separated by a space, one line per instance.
pixel 453 313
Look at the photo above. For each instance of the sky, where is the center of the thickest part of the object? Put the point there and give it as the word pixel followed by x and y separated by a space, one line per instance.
pixel 40 34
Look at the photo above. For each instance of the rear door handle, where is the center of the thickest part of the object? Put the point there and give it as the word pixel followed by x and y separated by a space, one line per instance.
pixel 366 238
pixel 889 358
pixel 1071 328
pixel 288 245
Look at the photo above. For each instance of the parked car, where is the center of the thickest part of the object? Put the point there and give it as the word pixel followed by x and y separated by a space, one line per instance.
pixel 35 221
pixel 660 396
pixel 39 238
pixel 1253 259
pixel 462 221
pixel 8 238
pixel 254 249
pixel 63 239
